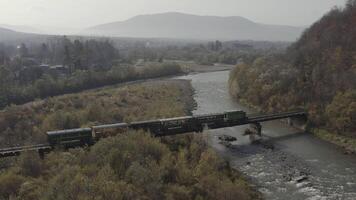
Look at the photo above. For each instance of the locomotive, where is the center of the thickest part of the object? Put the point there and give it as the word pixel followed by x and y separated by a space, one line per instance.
pixel 162 127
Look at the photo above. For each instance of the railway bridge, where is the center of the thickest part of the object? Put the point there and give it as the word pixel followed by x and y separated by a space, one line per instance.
pixel 163 127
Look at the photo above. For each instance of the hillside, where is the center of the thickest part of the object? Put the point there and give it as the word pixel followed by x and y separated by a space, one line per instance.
pixel 23 29
pixel 317 72
pixel 10 36
pixel 184 26
pixel 7 33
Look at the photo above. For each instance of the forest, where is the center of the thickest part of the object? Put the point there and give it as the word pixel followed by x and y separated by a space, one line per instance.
pixel 55 65
pixel 318 73
pixel 131 165
pixel 64 66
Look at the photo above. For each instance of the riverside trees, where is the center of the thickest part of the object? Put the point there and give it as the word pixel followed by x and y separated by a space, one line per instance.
pixel 317 72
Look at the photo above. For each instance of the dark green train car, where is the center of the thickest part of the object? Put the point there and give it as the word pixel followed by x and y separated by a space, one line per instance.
pixel 179 125
pixel 154 126
pixel 235 117
pixel 70 138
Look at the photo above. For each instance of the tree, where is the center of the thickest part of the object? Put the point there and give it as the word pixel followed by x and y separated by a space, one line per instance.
pixel 218 45
pixel 342 111
pixel 44 53
pixel 67 61
pixel 23 51
pixel 31 164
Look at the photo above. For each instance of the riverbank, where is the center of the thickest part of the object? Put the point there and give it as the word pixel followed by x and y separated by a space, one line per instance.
pixel 344 142
pixel 50 86
pixel 197 68
pixel 347 143
pixel 145 76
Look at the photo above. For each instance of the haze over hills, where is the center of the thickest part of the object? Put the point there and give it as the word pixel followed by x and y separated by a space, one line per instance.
pixel 187 26
pixel 171 26
pixel 40 30
pixel 24 29
pixel 7 34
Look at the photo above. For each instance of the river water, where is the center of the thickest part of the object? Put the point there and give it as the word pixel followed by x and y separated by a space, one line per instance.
pixel 288 164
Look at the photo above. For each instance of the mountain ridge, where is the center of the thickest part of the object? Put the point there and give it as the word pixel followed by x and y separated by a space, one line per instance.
pixel 22 28
pixel 189 26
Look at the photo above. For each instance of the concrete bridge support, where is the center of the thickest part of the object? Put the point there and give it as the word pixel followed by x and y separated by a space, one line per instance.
pixel 257 128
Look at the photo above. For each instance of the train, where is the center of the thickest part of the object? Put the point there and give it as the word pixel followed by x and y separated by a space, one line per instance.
pixel 162 127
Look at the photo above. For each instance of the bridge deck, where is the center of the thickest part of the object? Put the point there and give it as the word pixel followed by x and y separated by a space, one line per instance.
pixel 179 128
pixel 14 151
pixel 270 117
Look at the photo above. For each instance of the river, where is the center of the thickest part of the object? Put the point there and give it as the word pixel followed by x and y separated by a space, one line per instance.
pixel 288 164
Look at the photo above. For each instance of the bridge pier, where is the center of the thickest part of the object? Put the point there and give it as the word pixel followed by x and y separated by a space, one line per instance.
pixel 254 132
pixel 257 127
pixel 289 121
pixel 41 153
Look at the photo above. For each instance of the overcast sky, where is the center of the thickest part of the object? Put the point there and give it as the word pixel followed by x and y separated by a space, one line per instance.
pixel 85 13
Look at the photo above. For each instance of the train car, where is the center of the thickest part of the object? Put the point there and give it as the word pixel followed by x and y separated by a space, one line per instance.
pixel 169 126
pixel 208 118
pixel 179 125
pixel 235 117
pixel 221 120
pixel 109 130
pixel 154 126
pixel 211 120
pixel 70 138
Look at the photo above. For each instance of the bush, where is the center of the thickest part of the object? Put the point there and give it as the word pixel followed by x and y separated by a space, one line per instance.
pixel 10 184
pixel 30 164
pixel 341 112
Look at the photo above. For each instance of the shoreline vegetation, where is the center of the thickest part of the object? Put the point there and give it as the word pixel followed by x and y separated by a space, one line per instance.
pixel 132 165
pixel 99 80
pixel 48 86
pixel 315 73
pixel 348 144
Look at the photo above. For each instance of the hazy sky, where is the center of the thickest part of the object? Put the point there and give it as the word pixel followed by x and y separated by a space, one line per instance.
pixel 85 13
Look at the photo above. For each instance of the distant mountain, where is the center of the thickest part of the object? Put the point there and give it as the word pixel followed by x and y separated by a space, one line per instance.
pixel 186 26
pixel 7 33
pixel 11 37
pixel 24 29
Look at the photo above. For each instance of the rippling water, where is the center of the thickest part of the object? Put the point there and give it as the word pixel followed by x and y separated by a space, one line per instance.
pixel 289 164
